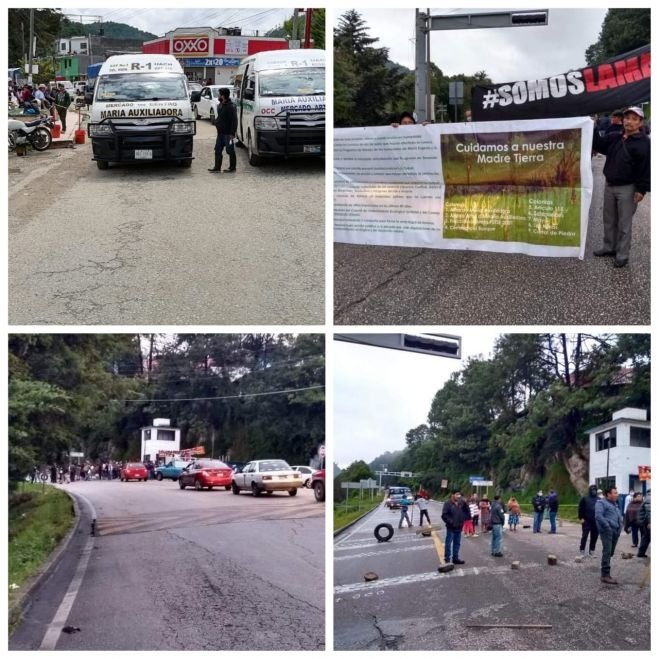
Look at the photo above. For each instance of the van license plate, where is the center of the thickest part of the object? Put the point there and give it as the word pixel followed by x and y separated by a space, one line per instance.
pixel 312 148
pixel 143 154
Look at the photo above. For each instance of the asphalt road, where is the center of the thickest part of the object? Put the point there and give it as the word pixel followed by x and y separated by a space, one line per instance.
pixel 157 244
pixel 413 607
pixel 391 285
pixel 187 570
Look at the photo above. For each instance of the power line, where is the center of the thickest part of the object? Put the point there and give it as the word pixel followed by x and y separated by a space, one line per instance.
pixel 176 400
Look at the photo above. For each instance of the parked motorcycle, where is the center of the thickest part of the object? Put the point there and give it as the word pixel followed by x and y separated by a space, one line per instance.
pixel 35 133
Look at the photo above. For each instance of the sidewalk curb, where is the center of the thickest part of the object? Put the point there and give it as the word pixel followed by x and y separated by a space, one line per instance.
pixel 25 594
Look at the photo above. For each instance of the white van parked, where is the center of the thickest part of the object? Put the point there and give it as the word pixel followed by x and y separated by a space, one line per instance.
pixel 280 100
pixel 141 111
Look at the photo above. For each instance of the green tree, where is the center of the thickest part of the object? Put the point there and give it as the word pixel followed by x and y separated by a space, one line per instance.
pixel 47 25
pixel 622 30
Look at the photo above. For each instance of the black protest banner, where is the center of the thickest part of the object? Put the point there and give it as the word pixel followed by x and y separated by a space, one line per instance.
pixel 612 85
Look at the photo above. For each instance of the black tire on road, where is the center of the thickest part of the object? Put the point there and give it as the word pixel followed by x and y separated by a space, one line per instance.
pixel 102 164
pixel 383 537
pixel 235 489
pixel 197 485
pixel 269 492
pixel 293 492
pixel 159 476
pixel 319 491
pixel 254 159
pixel 41 139
pixel 227 487
pixel 181 484
pixel 255 490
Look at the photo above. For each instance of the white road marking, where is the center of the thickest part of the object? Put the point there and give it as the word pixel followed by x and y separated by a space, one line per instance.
pixel 54 630
pixel 401 538
pixel 381 552
pixel 425 576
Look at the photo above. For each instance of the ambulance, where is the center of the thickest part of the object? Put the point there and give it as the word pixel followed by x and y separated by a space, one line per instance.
pixel 280 100
pixel 141 111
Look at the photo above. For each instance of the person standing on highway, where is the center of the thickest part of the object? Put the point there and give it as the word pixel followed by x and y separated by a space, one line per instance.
pixel 514 511
pixel 631 517
pixel 552 504
pixel 62 102
pixel 405 503
pixel 627 174
pixel 474 511
pixel 644 525
pixel 498 520
pixel 609 524
pixel 226 124
pixel 539 504
pixel 422 504
pixel 485 506
pixel 453 516
pixel 586 515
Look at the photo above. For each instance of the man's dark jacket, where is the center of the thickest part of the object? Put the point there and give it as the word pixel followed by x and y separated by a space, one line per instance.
pixel 226 121
pixel 453 515
pixel 587 508
pixel 627 159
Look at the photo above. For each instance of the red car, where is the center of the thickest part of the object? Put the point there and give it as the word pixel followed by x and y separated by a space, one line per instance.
pixel 318 485
pixel 134 471
pixel 206 473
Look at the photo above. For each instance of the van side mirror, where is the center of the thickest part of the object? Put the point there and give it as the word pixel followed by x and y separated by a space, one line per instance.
pixel 89 98
pixel 248 94
pixel 195 97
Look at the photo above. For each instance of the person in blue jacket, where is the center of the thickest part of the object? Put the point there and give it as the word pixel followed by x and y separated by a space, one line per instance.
pixel 609 524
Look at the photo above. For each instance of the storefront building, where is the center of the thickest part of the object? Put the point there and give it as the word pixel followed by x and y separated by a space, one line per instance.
pixel 207 53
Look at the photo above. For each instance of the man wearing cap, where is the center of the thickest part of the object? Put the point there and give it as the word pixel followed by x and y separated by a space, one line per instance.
pixel 40 96
pixel 627 174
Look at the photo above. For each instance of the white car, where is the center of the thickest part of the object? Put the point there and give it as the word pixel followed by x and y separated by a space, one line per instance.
pixel 267 476
pixel 206 106
pixel 307 473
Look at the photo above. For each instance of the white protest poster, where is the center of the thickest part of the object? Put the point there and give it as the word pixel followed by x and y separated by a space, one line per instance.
pixel 503 186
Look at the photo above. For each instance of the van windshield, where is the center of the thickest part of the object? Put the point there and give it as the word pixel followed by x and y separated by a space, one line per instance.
pixel 141 87
pixel 292 82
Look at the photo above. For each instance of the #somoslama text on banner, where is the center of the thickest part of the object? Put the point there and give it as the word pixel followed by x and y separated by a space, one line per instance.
pixel 504 186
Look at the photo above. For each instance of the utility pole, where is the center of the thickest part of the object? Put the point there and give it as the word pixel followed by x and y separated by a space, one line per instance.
pixel 31 47
pixel 294 30
pixel 421 65
pixel 428 85
pixel 307 28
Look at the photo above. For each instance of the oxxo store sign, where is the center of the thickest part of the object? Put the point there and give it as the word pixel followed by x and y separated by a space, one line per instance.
pixel 190 46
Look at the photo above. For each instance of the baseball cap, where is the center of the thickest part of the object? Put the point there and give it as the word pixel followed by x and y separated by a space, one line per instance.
pixel 636 110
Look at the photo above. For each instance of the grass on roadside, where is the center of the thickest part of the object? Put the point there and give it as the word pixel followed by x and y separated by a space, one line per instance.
pixel 37 523
pixel 344 515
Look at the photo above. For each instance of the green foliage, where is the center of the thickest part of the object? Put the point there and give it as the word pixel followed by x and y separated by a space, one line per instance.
pixel 47 23
pixel 622 30
pixel 37 523
pixel 317 28
pixel 94 392
pixel 516 416
pixel 355 508
pixel 110 29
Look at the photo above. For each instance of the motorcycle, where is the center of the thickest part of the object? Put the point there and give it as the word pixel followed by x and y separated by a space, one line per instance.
pixel 35 133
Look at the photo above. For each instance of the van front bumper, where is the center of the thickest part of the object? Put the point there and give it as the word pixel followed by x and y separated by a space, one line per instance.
pixel 298 142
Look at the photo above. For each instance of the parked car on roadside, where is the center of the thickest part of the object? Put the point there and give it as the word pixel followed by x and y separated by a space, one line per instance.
pixel 267 476
pixel 171 470
pixel 134 471
pixel 206 473
pixel 307 473
pixel 318 485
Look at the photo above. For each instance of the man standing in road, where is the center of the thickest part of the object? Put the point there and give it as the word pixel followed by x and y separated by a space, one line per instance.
pixel 498 519
pixel 62 102
pixel 453 516
pixel 644 525
pixel 552 504
pixel 226 124
pixel 539 504
pixel 609 525
pixel 627 174
pixel 405 503
pixel 423 509
pixel 586 514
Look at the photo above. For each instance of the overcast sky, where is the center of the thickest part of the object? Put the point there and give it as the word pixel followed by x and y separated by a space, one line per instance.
pixel 506 54
pixel 160 21
pixel 380 394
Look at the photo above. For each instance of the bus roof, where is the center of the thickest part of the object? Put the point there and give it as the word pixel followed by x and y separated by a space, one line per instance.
pixel 287 59
pixel 140 63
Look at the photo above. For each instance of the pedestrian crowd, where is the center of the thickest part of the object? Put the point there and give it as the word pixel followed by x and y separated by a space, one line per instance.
pixel 48 99
pixel 87 471
pixel 602 514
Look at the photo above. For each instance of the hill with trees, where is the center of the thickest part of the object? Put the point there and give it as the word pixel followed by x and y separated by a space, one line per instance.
pixel 249 396
pixel 519 418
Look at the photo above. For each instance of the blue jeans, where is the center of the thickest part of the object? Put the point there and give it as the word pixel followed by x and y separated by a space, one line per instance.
pixel 552 521
pixel 453 539
pixel 497 538
pixel 224 142
pixel 537 521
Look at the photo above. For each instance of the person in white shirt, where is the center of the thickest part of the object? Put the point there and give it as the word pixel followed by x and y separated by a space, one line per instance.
pixel 423 509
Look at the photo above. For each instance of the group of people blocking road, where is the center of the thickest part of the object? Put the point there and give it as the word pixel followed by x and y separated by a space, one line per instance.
pixel 599 513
